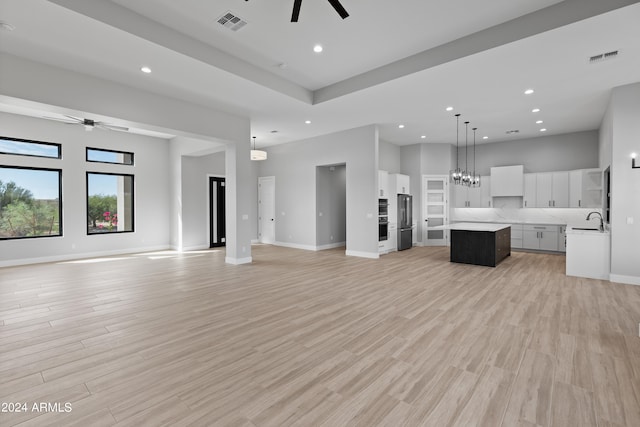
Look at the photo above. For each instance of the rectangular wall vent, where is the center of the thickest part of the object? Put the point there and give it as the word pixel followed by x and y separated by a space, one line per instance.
pixel 231 21
pixel 603 56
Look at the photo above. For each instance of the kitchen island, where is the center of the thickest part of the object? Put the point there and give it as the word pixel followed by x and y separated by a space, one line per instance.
pixel 480 244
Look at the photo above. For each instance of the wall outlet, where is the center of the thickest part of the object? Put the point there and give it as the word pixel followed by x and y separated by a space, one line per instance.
pixel 630 220
pixel 369 215
pixel 320 214
pixel 245 217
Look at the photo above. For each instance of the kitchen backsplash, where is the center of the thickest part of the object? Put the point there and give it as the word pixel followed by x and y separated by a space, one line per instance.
pixel 506 214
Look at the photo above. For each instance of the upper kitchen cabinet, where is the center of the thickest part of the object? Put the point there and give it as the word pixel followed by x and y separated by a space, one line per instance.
pixel 467 197
pixel 399 183
pixel 507 181
pixel 552 190
pixel 585 188
pixel 546 190
pixel 383 184
pixel 485 192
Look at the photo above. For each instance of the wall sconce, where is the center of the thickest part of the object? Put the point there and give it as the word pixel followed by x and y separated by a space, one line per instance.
pixel 633 161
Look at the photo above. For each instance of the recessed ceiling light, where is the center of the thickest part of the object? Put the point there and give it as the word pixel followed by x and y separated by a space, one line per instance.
pixel 535 110
pixel 308 122
pixel 528 91
pixel 543 130
pixel 145 70
pixel 449 108
pixel 318 48
pixel 424 137
pixel 401 126
pixel 539 121
pixel 485 137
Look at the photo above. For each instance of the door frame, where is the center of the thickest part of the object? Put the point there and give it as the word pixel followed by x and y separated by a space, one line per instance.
pixel 260 234
pixel 221 210
pixel 446 207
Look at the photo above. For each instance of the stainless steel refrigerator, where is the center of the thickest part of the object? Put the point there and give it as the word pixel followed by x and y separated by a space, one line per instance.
pixel 405 221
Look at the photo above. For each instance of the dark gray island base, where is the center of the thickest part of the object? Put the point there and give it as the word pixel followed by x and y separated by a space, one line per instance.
pixel 480 244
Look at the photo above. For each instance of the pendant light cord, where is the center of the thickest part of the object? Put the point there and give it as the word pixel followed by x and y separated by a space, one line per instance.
pixel 457 139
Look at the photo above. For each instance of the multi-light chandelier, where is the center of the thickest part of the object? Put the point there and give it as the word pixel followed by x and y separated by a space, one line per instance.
pixel 459 176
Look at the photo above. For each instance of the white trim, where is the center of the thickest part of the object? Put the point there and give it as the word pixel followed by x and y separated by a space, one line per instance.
pixel 194 248
pixel 295 246
pixel 238 261
pixel 331 246
pixel 628 280
pixel 371 255
pixel 85 255
pixel 255 241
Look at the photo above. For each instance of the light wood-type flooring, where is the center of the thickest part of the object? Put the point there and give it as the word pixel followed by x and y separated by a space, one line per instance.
pixel 302 338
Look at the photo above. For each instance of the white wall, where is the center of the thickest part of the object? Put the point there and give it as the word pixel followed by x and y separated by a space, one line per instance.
pixel 152 204
pixel 389 157
pixel 294 166
pixel 622 118
pixel 331 206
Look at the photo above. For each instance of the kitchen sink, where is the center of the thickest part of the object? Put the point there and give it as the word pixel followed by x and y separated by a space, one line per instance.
pixel 588 229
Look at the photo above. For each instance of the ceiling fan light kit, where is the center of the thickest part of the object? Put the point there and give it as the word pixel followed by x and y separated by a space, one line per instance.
pixel 297 4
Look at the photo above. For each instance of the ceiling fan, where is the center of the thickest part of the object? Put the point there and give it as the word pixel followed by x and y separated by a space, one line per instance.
pixel 335 3
pixel 88 124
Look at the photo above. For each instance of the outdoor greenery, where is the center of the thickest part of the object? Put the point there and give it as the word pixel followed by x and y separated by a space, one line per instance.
pixel 21 215
pixel 98 206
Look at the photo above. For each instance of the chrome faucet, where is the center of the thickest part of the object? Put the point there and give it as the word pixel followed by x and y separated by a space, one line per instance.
pixel 601 221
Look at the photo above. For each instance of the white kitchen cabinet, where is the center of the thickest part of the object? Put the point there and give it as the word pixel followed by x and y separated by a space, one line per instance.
pixel 399 183
pixel 529 198
pixel 383 184
pixel 507 181
pixel 391 244
pixel 467 197
pixel 585 188
pixel 551 190
pixel 516 236
pixel 486 201
pixel 562 238
pixel 541 237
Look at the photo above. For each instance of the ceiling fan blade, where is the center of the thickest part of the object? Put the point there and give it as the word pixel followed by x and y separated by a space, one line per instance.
pixel 107 126
pixel 338 7
pixel 76 119
pixel 59 119
pixel 296 10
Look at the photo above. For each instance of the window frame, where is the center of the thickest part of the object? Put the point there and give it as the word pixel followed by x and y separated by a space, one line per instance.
pixel 60 209
pixel 30 141
pixel 133 210
pixel 105 150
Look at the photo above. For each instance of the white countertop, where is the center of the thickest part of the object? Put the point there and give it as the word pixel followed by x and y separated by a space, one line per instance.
pixel 572 230
pixel 474 226
pixel 519 221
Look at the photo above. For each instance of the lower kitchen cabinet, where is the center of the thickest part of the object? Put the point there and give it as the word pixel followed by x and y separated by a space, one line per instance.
pixel 541 237
pixel 516 236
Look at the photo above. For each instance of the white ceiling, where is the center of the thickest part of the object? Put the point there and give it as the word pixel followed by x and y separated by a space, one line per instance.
pixel 388 63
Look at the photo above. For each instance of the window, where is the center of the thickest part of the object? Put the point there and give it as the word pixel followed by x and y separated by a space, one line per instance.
pixel 109 156
pixel 109 203
pixel 30 202
pixel 24 147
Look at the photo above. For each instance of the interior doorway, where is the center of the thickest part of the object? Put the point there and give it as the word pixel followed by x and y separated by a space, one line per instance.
pixel 217 222
pixel 267 209
pixel 435 209
pixel 331 206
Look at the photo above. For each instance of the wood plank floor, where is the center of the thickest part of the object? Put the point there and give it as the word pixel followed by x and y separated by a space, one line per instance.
pixel 304 338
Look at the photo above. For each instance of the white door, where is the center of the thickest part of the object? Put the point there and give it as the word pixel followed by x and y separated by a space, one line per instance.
pixel 267 209
pixel 435 209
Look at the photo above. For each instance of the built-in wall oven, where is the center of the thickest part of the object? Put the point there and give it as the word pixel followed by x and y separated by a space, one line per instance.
pixel 383 219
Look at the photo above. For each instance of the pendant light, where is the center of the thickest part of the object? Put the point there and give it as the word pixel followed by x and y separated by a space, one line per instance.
pixel 466 177
pixel 475 179
pixel 456 174
pixel 257 154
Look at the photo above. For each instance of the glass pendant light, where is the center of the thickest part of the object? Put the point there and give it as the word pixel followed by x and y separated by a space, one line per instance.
pixel 466 177
pixel 257 154
pixel 475 178
pixel 456 174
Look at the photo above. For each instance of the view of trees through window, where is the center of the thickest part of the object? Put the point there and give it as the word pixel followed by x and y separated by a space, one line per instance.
pixel 29 202
pixel 109 203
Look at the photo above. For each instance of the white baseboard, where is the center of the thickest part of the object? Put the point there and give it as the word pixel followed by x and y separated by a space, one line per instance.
pixel 84 255
pixel 295 246
pixel 371 255
pixel 238 261
pixel 331 246
pixel 255 241
pixel 194 248
pixel 627 280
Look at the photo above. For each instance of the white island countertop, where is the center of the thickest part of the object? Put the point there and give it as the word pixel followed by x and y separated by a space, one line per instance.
pixel 474 226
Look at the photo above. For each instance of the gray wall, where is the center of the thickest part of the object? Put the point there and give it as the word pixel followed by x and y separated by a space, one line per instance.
pixel 331 204
pixel 294 166
pixel 623 138
pixel 389 157
pixel 570 151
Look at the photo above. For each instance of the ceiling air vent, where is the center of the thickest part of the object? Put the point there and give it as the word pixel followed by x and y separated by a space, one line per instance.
pixel 511 132
pixel 231 21
pixel 603 56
